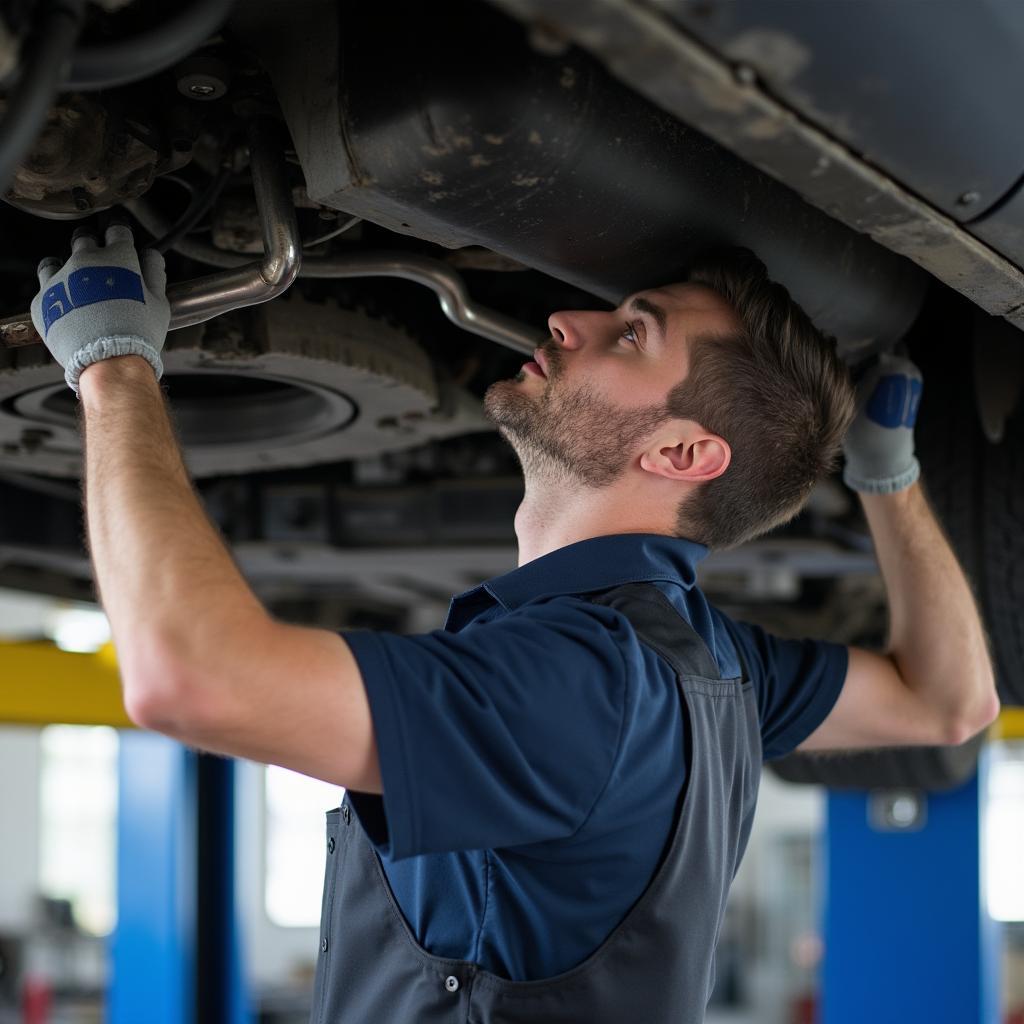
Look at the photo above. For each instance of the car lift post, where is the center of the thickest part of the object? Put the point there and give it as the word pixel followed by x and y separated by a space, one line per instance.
pixel 176 950
pixel 152 949
pixel 908 936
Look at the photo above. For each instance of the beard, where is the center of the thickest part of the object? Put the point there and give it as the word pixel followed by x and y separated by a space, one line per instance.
pixel 571 435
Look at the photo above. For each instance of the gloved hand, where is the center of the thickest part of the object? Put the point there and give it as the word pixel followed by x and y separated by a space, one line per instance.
pixel 879 445
pixel 101 304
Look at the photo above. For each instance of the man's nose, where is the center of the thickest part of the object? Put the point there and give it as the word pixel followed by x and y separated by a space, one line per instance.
pixel 565 330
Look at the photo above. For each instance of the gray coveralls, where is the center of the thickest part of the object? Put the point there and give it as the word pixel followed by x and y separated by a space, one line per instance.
pixel 656 966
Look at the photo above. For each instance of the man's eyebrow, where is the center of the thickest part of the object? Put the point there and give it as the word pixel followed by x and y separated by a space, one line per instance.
pixel 642 305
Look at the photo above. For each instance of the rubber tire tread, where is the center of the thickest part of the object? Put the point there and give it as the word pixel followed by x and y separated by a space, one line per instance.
pixel 1003 537
pixel 933 769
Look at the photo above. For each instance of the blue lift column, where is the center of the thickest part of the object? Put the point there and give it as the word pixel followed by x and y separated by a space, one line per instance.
pixel 152 952
pixel 176 951
pixel 907 932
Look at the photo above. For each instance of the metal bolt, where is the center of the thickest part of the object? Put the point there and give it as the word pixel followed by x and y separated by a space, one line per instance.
pixel 81 199
pixel 968 199
pixel 203 80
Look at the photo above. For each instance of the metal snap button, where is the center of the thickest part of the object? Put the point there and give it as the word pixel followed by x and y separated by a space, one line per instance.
pixel 323 946
pixel 330 845
pixel 346 813
pixel 451 983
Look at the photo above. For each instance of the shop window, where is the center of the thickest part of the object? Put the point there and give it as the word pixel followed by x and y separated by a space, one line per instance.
pixel 78 822
pixel 293 882
pixel 1004 827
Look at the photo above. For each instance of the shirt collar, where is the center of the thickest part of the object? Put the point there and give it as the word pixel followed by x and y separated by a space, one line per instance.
pixel 588 566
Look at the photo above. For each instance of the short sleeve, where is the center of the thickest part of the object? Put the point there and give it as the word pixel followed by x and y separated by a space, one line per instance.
pixel 797 682
pixel 502 734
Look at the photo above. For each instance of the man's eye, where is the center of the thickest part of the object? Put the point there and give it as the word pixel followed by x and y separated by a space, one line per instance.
pixel 630 333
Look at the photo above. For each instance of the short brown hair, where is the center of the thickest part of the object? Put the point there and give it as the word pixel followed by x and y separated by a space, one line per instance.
pixel 776 390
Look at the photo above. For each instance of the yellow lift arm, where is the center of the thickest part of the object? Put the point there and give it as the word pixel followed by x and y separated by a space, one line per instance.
pixel 41 684
pixel 1009 725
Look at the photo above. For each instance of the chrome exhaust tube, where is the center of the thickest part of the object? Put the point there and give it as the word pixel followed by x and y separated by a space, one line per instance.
pixel 192 302
pixel 446 283
pixel 246 284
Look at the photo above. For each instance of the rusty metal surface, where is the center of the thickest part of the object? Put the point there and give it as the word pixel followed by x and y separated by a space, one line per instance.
pixel 86 160
pixel 193 302
pixel 17 330
pixel 684 77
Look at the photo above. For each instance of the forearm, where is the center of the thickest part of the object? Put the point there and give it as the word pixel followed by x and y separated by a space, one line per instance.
pixel 163 574
pixel 936 636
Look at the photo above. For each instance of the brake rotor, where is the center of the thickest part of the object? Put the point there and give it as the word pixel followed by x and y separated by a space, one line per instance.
pixel 287 384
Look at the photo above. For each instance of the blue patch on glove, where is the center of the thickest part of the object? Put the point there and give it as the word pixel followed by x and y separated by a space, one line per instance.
pixel 87 286
pixel 895 401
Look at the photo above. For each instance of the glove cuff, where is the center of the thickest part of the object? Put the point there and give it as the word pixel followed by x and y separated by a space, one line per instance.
pixel 107 348
pixel 886 486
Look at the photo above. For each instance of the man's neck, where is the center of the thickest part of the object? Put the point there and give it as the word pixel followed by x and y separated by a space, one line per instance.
pixel 556 513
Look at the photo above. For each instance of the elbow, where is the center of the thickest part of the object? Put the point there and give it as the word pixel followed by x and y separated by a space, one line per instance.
pixel 967 726
pixel 154 692
pixel 148 708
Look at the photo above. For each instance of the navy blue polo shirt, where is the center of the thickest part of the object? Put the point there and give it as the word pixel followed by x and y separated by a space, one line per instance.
pixel 532 750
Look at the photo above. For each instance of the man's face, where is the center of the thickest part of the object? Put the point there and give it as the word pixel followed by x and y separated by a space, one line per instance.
pixel 598 388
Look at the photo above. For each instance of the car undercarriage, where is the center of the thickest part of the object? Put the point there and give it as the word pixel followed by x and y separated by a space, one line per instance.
pixel 368 212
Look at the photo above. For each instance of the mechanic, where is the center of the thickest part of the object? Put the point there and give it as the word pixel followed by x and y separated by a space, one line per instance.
pixel 548 798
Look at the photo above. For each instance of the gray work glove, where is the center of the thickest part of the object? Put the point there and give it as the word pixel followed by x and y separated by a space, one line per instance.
pixel 879 445
pixel 102 304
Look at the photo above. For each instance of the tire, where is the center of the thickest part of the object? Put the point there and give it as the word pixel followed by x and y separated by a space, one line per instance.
pixel 929 768
pixel 1002 556
pixel 976 489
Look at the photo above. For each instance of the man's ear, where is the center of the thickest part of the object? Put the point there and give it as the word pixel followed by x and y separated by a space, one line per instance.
pixel 693 457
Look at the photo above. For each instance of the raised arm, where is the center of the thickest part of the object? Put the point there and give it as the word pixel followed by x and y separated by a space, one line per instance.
pixel 934 683
pixel 200 658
